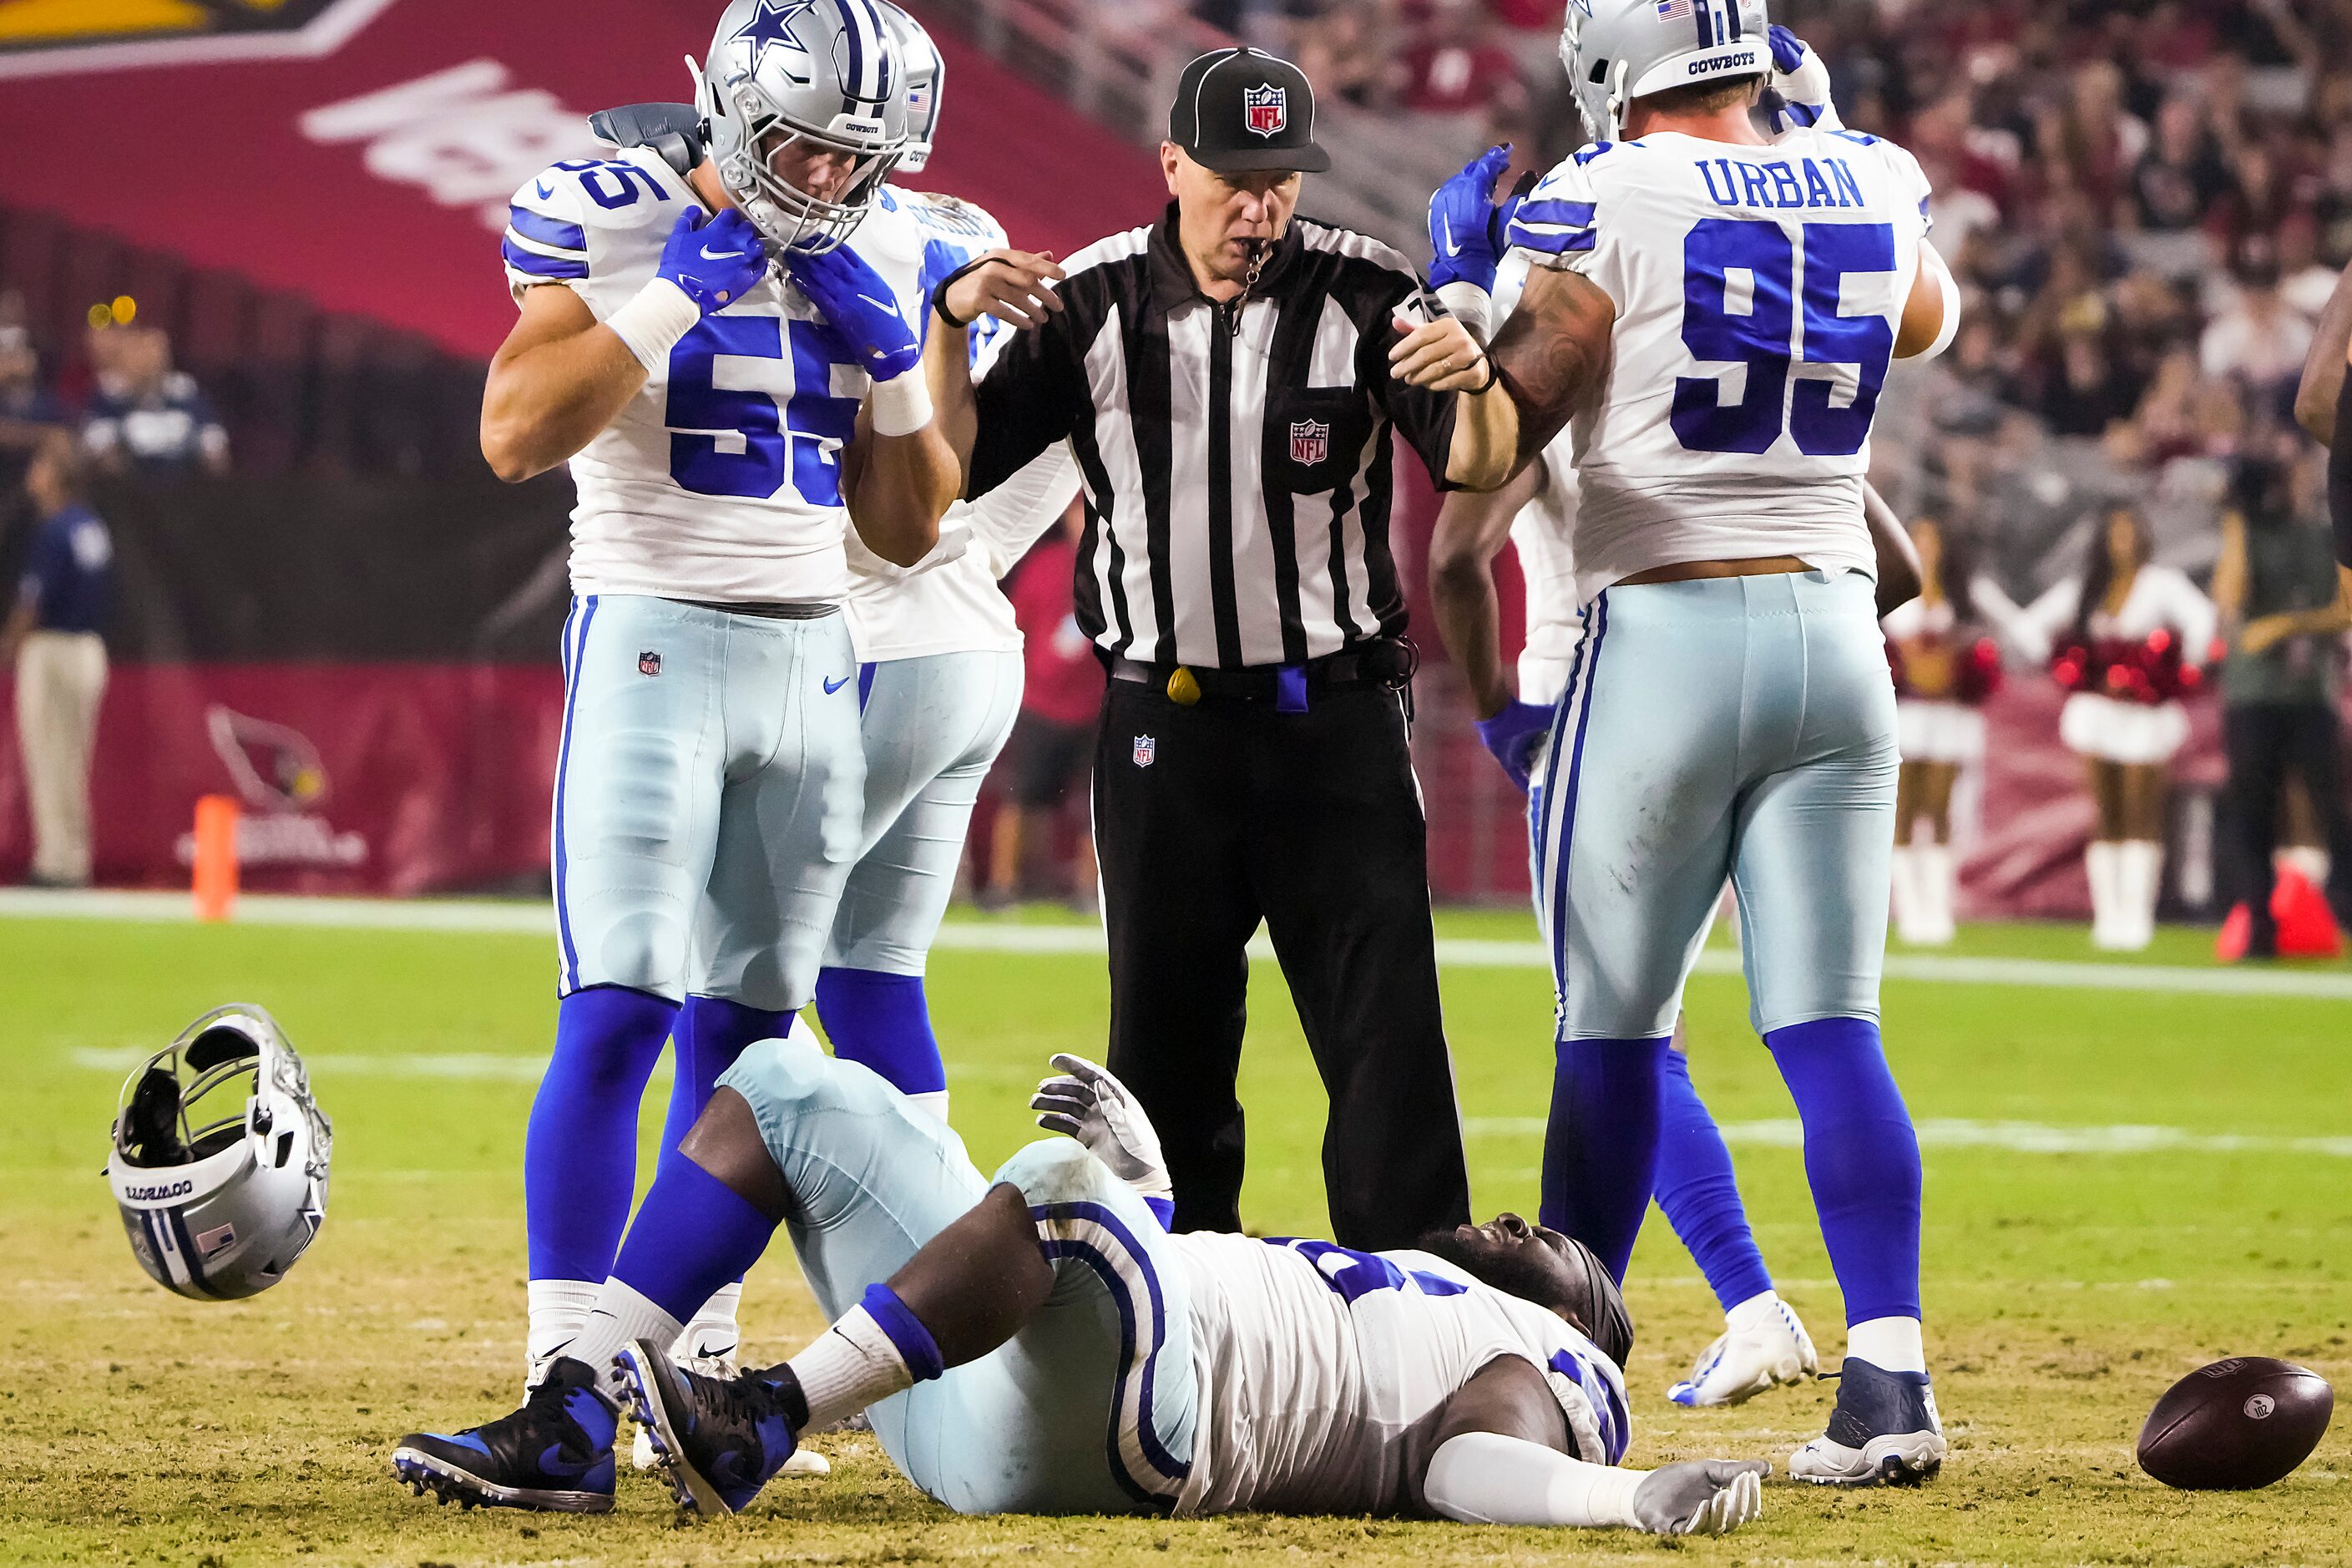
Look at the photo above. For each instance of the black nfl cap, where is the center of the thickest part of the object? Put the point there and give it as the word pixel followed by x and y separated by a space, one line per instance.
pixel 1238 110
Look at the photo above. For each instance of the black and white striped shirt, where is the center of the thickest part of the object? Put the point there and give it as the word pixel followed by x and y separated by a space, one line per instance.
pixel 1236 463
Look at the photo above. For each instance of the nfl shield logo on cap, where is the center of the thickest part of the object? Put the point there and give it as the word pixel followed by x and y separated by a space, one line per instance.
pixel 1310 441
pixel 1146 750
pixel 1266 110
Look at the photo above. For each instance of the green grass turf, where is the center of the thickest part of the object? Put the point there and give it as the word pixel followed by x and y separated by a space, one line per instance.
pixel 2065 1292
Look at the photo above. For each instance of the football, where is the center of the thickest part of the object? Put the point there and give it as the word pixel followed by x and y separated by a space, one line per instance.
pixel 2235 1424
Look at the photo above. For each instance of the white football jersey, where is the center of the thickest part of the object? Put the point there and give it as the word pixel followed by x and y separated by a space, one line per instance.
pixel 1322 1371
pixel 1759 291
pixel 956 606
pixel 720 480
pixel 1543 534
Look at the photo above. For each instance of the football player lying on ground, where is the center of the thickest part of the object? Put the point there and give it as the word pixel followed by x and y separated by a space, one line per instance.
pixel 1041 1344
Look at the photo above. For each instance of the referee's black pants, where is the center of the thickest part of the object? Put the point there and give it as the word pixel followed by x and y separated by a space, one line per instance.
pixel 1210 817
pixel 2266 742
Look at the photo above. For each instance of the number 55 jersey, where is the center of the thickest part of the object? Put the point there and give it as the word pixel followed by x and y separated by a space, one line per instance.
pixel 1757 290
pixel 720 480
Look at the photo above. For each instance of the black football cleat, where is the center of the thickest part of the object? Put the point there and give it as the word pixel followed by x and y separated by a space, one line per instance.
pixel 719 1440
pixel 554 1454
pixel 1884 1432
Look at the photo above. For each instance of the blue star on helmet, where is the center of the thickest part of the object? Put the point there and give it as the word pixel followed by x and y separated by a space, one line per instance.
pixel 771 27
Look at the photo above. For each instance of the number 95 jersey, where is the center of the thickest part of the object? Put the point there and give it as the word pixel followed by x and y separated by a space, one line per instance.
pixel 720 480
pixel 1757 290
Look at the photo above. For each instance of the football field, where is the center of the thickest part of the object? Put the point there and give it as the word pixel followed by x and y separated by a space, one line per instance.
pixel 2128 1174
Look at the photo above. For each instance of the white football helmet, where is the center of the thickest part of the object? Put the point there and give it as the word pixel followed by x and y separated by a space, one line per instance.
pixel 927 76
pixel 1618 50
pixel 824 73
pixel 220 1154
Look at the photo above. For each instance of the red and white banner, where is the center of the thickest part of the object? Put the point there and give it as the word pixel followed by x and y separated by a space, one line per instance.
pixel 361 152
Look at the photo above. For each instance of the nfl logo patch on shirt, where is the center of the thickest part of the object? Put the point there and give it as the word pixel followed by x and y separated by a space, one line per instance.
pixel 1146 750
pixel 648 664
pixel 1310 441
pixel 1266 108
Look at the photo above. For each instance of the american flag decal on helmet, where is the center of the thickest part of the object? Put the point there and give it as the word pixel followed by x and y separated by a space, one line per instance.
pixel 1266 108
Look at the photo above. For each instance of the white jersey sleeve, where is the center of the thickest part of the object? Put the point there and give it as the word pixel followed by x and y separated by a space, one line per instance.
pixel 955 605
pixel 1757 291
pixel 719 480
pixel 1542 535
pixel 1324 1371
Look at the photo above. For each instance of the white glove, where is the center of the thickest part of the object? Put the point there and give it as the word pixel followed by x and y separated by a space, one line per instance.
pixel 1803 83
pixel 1085 1102
pixel 1702 1496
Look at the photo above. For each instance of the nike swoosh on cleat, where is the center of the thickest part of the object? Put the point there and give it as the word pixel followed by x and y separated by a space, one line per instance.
pixel 833 686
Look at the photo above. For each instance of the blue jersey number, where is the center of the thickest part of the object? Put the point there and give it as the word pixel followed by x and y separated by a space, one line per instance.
pixel 1761 337
pixel 610 184
pixel 780 419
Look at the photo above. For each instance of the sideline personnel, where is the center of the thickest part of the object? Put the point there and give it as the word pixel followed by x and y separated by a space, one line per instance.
pixel 1227 379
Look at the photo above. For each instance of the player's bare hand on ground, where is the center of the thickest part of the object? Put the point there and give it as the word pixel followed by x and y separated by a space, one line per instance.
pixel 1441 355
pixel 1087 1102
pixel 1013 286
pixel 1703 1497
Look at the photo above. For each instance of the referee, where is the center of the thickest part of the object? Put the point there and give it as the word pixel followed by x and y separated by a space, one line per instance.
pixel 1227 379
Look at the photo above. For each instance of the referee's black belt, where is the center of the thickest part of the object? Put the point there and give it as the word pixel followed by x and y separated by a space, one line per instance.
pixel 1389 662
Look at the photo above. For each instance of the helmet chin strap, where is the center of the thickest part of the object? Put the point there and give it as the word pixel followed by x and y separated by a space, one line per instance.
pixel 1616 99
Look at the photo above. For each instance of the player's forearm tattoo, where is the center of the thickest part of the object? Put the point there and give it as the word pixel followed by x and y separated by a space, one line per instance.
pixel 1550 352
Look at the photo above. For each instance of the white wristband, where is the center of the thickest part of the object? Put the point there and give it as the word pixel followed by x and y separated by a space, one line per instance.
pixel 1469 305
pixel 651 323
pixel 902 405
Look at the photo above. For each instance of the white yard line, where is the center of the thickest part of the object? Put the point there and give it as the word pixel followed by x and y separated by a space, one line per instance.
pixel 979 936
pixel 2012 1136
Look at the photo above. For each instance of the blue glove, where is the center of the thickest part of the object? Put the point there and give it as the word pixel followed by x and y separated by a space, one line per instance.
pixel 1464 236
pixel 1513 735
pixel 863 310
pixel 1788 49
pixel 714 259
pixel 1801 85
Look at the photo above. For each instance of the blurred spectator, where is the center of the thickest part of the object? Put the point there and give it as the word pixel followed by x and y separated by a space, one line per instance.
pixel 2258 338
pixel 146 417
pixel 2284 615
pixel 29 413
pixel 1454 65
pixel 1052 749
pixel 54 636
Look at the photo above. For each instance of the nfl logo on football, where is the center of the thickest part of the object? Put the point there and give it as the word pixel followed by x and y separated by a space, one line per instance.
pixel 1266 108
pixel 1310 441
pixel 1147 748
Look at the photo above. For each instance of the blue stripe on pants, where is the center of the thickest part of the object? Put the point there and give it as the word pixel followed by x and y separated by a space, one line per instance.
pixel 1095 1236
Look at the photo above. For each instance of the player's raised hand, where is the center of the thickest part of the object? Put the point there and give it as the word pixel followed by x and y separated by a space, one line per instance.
pixel 863 310
pixel 1441 355
pixel 1465 226
pixel 1801 83
pixel 1016 287
pixel 1702 1496
pixel 1087 1102
pixel 714 258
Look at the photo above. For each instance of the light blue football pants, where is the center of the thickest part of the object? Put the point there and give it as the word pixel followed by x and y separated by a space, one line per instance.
pixel 1739 726
pixel 1091 1407
pixel 708 796
pixel 931 729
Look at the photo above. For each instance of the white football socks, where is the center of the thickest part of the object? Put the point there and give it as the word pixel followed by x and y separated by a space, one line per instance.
pixel 1890 1344
pixel 713 1331
pixel 622 1314
pixel 558 1309
pixel 850 1366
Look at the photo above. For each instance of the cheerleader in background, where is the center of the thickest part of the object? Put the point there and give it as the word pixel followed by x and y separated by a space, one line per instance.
pixel 1946 664
pixel 2127 640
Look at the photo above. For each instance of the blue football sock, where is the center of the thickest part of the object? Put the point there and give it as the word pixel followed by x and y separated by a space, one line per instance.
pixel 693 1233
pixel 580 1152
pixel 1601 1149
pixel 1862 1158
pixel 710 1034
pixel 881 1021
pixel 1696 1189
